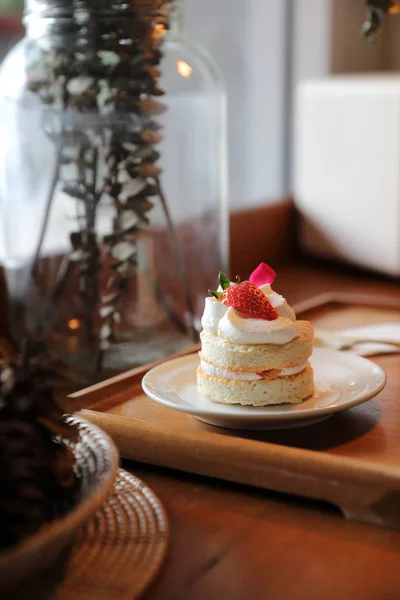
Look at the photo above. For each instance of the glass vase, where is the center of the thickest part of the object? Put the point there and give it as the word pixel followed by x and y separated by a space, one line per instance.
pixel 112 183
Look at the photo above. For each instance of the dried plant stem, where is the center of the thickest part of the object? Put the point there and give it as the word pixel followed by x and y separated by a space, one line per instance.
pixel 129 87
pixel 179 258
pixel 62 278
pixel 90 284
pixel 95 161
pixel 66 266
pixel 43 230
pixel 174 318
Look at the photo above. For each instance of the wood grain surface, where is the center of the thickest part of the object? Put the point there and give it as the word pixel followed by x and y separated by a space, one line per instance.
pixel 238 542
pixel 351 460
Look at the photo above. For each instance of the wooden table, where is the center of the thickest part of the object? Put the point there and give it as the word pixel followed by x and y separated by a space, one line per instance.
pixel 239 543
pixel 234 542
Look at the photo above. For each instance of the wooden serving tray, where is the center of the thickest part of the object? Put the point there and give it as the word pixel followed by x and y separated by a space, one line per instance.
pixel 351 460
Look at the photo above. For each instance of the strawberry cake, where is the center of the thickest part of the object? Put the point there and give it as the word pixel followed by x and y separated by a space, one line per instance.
pixel 253 350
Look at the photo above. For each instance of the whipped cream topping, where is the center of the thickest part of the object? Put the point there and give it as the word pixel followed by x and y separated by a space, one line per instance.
pixel 278 302
pixel 243 330
pixel 238 328
pixel 214 371
pixel 214 311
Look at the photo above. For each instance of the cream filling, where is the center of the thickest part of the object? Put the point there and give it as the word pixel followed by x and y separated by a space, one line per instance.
pixel 214 371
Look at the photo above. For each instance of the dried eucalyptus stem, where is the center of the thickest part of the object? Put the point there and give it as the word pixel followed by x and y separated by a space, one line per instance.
pixel 132 171
pixel 372 27
pixel 110 74
pixel 179 258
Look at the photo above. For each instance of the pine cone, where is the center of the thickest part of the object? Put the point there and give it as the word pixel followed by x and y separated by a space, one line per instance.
pixel 37 477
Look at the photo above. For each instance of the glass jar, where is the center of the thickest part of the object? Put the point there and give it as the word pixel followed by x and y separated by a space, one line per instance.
pixel 112 182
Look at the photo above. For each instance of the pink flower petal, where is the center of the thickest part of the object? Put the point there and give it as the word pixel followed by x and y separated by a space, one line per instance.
pixel 263 274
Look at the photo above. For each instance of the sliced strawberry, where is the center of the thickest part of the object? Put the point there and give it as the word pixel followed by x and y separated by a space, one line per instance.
pixel 248 299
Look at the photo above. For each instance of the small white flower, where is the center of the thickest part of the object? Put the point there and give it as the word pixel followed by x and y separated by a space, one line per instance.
pixel 123 250
pixel 105 311
pixel 78 254
pixel 131 188
pixel 105 332
pixel 109 297
pixel 108 57
pixel 78 85
pixel 129 147
pixel 128 219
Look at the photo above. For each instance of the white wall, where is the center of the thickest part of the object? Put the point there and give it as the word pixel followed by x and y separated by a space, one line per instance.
pixel 327 39
pixel 310 50
pixel 311 39
pixel 247 38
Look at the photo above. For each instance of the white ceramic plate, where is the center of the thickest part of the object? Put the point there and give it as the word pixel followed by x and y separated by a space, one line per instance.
pixel 342 380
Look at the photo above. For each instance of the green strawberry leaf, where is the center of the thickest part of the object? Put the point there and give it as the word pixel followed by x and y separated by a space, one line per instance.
pixel 223 280
pixel 216 295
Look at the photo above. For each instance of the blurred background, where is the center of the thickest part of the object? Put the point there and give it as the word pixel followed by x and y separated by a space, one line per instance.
pixel 286 139
pixel 10 24
pixel 264 48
